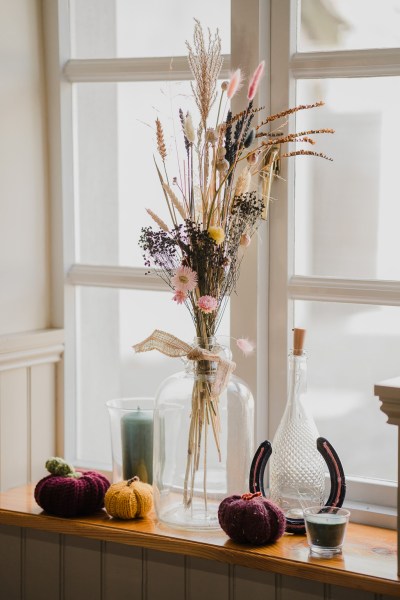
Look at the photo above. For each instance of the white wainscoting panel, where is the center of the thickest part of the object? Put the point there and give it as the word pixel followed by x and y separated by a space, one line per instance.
pixel 249 583
pixel 41 565
pixel 122 571
pixel 81 568
pixel 339 593
pixel 36 565
pixel 293 588
pixel 42 417
pixel 164 576
pixel 204 575
pixel 14 429
pixel 29 396
pixel 10 562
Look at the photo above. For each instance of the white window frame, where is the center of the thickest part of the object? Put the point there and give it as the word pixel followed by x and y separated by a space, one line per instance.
pixel 262 309
pixel 250 44
pixel 371 501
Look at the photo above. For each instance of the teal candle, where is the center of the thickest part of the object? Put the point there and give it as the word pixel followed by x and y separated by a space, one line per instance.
pixel 137 444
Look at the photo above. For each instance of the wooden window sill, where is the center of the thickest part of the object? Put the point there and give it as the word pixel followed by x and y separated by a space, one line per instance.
pixel 369 560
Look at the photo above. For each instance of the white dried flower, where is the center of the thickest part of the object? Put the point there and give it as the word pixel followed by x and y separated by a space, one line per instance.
pixel 222 165
pixel 157 219
pixel 243 182
pixel 189 129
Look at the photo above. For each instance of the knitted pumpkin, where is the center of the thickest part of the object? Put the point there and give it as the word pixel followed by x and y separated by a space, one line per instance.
pixel 129 499
pixel 251 519
pixel 69 493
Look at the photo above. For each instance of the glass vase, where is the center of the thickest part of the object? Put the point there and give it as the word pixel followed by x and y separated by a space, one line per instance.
pixel 203 444
pixel 297 470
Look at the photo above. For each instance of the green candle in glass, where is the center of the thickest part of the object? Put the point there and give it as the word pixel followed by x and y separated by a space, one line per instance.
pixel 137 444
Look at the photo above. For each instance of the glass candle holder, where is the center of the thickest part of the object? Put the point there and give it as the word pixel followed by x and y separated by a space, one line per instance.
pixel 326 529
pixel 131 423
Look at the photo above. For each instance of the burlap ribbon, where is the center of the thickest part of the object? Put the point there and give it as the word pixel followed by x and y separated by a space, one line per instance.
pixel 172 346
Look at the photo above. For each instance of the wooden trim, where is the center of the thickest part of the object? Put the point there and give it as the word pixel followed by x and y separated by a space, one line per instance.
pixel 167 68
pixel 31 348
pixel 368 562
pixel 389 394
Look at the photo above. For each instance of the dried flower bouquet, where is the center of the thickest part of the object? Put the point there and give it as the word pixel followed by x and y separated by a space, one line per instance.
pixel 214 213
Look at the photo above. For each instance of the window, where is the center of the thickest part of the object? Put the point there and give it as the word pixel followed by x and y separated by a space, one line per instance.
pixel 325 261
pixel 338 273
pixel 116 78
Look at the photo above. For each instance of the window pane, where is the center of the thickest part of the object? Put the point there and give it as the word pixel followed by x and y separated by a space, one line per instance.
pixel 348 24
pixel 116 179
pixel 347 211
pixel 109 322
pixel 351 348
pixel 129 28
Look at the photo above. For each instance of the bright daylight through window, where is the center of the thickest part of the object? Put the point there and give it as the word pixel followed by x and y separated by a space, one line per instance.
pixel 329 252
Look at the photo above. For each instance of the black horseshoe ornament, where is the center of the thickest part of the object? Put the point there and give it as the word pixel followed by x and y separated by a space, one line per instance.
pixel 338 481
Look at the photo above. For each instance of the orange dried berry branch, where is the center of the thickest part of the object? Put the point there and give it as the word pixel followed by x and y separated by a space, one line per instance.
pixel 289 111
pixel 306 153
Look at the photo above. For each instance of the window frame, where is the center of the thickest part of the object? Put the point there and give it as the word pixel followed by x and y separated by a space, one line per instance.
pixel 261 29
pixel 366 497
pixel 249 25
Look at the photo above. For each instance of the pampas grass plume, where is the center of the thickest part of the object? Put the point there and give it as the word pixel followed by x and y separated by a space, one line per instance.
pixel 243 182
pixel 234 83
pixel 157 219
pixel 255 80
pixel 175 201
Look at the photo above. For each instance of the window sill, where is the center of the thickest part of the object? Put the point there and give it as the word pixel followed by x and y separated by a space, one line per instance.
pixel 369 560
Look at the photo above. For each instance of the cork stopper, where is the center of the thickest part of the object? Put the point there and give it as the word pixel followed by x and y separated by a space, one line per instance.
pixel 298 341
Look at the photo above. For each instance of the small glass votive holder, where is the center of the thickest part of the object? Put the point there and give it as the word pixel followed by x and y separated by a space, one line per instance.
pixel 326 529
pixel 131 424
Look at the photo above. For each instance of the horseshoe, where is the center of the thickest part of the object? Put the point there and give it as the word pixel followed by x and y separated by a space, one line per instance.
pixel 328 453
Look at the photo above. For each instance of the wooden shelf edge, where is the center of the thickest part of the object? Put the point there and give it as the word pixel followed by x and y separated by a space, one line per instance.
pixel 226 552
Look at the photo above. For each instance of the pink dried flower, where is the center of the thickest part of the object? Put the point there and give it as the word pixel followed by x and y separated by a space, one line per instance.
pixel 185 279
pixel 255 80
pixel 245 346
pixel 234 83
pixel 207 304
pixel 179 296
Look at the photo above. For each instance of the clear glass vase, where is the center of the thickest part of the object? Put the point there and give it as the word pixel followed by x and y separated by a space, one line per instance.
pixel 203 445
pixel 297 470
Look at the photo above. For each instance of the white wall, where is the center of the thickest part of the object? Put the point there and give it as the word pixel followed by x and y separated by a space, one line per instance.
pixel 24 231
pixel 28 371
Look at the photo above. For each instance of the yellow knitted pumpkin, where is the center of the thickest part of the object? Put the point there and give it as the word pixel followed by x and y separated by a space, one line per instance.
pixel 129 499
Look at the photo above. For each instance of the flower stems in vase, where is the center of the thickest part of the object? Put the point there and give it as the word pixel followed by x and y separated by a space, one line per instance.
pixel 214 214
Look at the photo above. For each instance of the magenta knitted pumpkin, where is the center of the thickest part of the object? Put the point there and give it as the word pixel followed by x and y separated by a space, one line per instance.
pixel 251 519
pixel 69 493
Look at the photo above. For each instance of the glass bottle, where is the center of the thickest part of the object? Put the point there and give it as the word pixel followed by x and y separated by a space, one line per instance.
pixel 297 470
pixel 193 473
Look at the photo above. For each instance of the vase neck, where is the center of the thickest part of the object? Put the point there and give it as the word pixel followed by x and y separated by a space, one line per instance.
pixel 297 378
pixel 217 345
